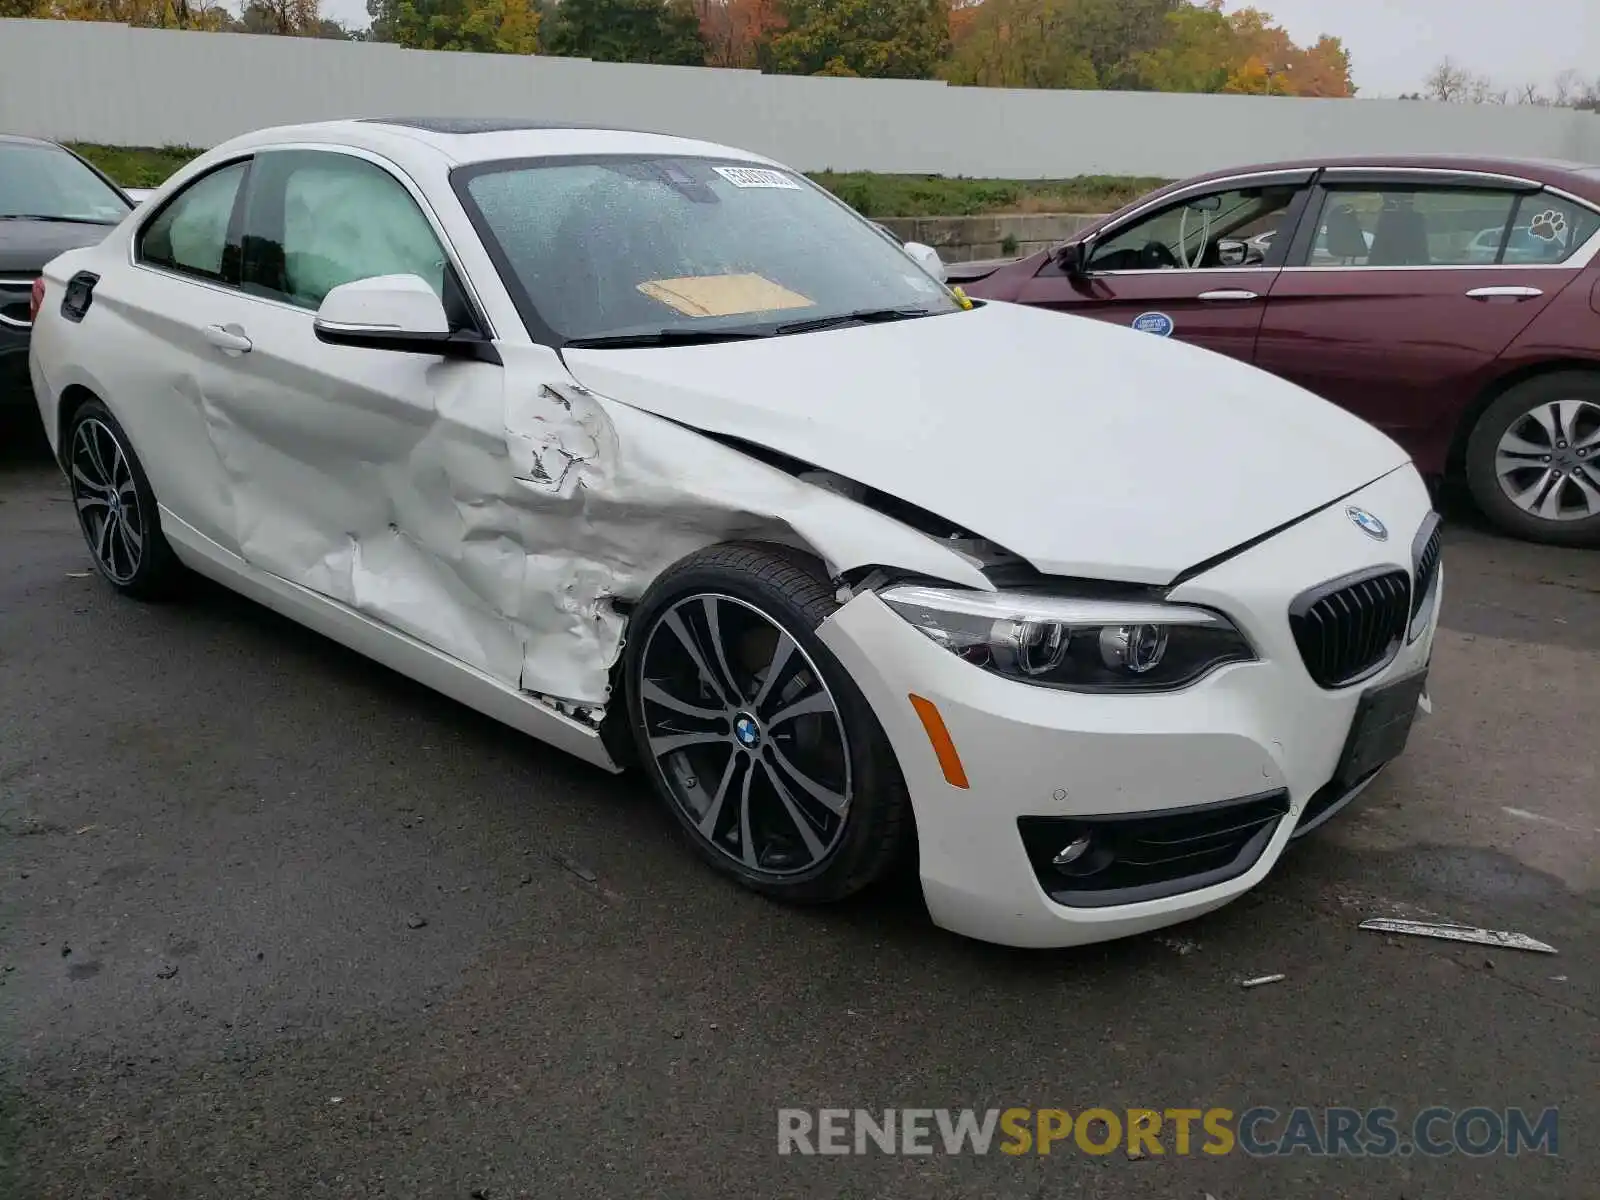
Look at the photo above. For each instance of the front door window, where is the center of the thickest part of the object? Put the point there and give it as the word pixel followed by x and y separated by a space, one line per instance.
pixel 1217 231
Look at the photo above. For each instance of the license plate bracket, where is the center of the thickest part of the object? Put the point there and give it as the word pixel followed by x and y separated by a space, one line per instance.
pixel 1381 727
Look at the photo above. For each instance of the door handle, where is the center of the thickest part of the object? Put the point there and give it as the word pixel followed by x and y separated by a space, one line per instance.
pixel 1507 293
pixel 1228 294
pixel 229 339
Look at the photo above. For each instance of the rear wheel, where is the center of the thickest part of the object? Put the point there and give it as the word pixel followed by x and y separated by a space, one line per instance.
pixel 116 508
pixel 1533 460
pixel 761 745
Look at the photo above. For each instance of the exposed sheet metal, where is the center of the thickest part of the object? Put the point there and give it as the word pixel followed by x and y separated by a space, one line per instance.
pixel 502 520
pixel 1502 939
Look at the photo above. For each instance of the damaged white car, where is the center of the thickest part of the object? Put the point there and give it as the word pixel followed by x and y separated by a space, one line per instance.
pixel 654 450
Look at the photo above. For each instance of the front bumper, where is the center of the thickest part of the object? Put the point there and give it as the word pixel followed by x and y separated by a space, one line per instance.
pixel 16 391
pixel 1243 734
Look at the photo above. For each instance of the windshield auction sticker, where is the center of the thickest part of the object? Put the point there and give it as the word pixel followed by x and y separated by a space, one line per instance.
pixel 756 177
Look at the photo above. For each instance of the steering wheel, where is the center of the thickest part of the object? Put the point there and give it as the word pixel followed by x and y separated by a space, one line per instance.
pixel 1157 255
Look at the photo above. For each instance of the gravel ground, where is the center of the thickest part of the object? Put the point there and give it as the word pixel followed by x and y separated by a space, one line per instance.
pixel 277 922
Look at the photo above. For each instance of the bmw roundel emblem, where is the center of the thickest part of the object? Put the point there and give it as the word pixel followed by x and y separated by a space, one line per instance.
pixel 1367 523
pixel 747 731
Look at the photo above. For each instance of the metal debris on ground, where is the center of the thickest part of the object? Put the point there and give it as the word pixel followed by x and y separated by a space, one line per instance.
pixel 78 574
pixel 415 921
pixel 577 868
pixel 167 971
pixel 1459 933
pixel 1259 980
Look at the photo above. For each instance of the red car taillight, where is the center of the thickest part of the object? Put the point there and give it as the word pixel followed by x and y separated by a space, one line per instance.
pixel 36 299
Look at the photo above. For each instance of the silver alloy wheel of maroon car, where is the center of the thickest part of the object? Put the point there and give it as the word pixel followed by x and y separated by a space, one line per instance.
pixel 1548 461
pixel 1533 459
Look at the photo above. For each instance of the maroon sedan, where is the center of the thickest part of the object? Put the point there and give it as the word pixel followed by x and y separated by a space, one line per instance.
pixel 1452 302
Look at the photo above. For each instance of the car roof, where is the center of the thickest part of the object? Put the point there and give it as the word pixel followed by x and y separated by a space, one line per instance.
pixel 19 139
pixel 465 140
pixel 1582 179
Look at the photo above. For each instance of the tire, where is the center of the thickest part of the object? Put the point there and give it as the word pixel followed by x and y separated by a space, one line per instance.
pixel 824 813
pixel 1545 422
pixel 116 508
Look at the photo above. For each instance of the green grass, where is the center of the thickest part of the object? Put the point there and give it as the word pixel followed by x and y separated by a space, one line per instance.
pixel 136 166
pixel 871 194
pixel 875 195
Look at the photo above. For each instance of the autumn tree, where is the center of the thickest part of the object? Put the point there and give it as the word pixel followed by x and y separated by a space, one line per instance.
pixel 1197 52
pixel 736 32
pixel 885 39
pixel 647 31
pixel 148 14
pixel 265 18
pixel 1021 43
pixel 485 26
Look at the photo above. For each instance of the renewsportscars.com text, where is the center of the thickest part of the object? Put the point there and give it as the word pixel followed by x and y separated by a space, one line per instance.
pixel 1260 1132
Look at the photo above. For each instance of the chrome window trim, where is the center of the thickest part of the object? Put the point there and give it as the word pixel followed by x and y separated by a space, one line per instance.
pixel 384 164
pixel 1461 176
pixel 14 323
pixel 1298 174
pixel 1173 271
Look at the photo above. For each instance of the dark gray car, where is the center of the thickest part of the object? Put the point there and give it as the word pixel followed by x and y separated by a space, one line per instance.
pixel 50 201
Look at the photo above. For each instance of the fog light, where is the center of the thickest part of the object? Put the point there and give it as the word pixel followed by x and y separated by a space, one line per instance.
pixel 1072 852
pixel 1135 648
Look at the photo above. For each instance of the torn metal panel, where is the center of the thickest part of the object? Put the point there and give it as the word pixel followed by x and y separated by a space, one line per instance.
pixel 496 514
pixel 1459 933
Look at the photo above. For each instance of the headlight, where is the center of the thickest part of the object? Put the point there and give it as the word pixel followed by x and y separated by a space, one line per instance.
pixel 1083 645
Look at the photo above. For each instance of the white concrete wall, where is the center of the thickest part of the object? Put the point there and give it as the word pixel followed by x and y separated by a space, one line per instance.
pixel 112 84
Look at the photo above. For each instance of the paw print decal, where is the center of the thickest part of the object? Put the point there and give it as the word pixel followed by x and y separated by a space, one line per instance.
pixel 1549 226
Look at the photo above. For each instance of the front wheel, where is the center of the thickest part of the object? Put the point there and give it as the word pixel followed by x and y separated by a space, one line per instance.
pixel 1533 460
pixel 752 732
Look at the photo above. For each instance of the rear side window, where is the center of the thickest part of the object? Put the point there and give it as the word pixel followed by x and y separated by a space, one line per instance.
pixel 318 219
pixel 1549 229
pixel 190 233
pixel 1410 227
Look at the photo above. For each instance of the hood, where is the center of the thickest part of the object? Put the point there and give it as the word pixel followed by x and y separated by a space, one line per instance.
pixel 1089 449
pixel 25 246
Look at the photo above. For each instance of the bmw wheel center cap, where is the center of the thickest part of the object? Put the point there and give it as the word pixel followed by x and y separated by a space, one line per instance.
pixel 747 731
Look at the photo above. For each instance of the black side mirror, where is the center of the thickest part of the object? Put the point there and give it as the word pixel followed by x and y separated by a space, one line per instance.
pixel 1073 258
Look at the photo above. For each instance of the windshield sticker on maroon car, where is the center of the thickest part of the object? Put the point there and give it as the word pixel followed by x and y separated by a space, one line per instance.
pixel 1153 322
pixel 1548 226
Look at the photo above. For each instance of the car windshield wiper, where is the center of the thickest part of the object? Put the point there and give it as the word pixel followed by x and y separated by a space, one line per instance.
pixel 53 217
pixel 861 316
pixel 676 336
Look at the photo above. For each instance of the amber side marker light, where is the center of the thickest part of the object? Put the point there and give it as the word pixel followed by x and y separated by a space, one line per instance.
pixel 939 737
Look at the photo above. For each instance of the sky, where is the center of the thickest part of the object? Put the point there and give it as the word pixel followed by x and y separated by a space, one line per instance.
pixel 1393 44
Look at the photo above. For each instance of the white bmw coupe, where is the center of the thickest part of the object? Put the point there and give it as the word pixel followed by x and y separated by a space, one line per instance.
pixel 654 450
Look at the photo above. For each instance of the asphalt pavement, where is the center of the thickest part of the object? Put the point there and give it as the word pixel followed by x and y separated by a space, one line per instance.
pixel 275 921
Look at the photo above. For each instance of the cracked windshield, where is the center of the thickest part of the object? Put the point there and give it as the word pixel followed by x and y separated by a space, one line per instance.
pixel 637 246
